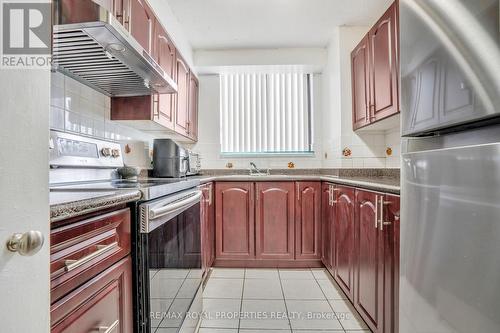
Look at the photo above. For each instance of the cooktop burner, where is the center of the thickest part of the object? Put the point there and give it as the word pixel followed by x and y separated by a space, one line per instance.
pixel 151 188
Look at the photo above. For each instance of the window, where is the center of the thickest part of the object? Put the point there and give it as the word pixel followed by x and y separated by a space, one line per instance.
pixel 266 113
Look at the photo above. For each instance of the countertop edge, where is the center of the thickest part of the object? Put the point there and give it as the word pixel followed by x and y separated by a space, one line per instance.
pixel 63 211
pixel 369 185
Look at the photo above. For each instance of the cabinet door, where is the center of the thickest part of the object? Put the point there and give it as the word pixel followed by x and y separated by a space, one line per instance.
pixel 327 228
pixel 369 261
pixel 193 107
pixel 211 225
pixel 274 221
pixel 360 85
pixel 103 302
pixel 391 264
pixel 208 226
pixel 235 235
pixel 308 221
pixel 141 23
pixel 383 45
pixel 164 53
pixel 182 111
pixel 344 238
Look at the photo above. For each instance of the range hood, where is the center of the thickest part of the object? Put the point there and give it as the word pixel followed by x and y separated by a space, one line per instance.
pixel 91 46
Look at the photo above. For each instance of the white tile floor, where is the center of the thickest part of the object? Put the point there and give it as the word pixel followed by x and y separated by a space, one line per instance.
pixel 272 300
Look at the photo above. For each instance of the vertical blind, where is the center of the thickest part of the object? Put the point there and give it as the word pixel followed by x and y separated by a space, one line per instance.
pixel 266 113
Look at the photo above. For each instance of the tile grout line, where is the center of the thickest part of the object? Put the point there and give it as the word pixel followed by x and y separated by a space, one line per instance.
pixel 241 301
pixel 284 300
pixel 328 301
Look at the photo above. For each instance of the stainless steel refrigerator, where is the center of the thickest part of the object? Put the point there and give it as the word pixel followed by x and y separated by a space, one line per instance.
pixel 450 225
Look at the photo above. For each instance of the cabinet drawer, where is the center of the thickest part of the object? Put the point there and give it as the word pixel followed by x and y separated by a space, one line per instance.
pixel 83 249
pixel 100 305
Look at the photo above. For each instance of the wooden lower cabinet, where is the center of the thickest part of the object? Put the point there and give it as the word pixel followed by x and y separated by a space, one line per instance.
pixel 327 226
pixel 274 220
pixel 235 230
pixel 207 226
pixel 391 214
pixel 344 239
pixel 308 220
pixel 98 305
pixel 369 263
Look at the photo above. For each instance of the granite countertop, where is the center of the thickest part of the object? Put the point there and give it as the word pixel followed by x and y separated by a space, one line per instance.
pixel 383 184
pixel 68 204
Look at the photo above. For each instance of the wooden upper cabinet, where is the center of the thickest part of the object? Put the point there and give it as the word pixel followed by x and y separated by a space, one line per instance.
pixel 164 53
pixel 383 41
pixel 308 220
pixel 193 107
pixel 374 72
pixel 274 220
pixel 182 99
pixel 360 84
pixel 344 239
pixel 369 263
pixel 235 234
pixel 141 22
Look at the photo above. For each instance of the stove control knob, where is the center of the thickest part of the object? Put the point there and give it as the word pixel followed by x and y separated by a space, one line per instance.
pixel 106 152
pixel 115 153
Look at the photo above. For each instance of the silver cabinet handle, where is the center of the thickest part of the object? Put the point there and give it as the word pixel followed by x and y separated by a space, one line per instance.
pixel 26 244
pixel 109 329
pixel 72 264
pixel 376 212
pixel 382 222
pixel 334 195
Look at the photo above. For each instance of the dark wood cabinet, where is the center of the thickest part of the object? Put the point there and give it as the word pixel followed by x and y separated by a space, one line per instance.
pixel 383 40
pixel 100 304
pixel 308 220
pixel 182 97
pixel 164 52
pixel 274 220
pixel 327 226
pixel 141 21
pixel 370 260
pixel 172 113
pixel 81 250
pixel 360 77
pixel 374 68
pixel 390 233
pixel 235 231
pixel 344 239
pixel 193 107
pixel 208 226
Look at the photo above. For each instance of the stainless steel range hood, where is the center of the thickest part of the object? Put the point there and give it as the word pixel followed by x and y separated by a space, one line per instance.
pixel 91 46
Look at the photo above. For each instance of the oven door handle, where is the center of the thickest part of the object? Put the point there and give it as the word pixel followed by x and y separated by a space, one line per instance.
pixel 155 213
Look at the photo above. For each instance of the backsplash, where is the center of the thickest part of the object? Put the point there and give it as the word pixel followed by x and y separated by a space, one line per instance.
pixel 79 109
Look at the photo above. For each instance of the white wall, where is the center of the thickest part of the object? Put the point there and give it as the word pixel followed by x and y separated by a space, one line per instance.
pixel 209 132
pixel 311 59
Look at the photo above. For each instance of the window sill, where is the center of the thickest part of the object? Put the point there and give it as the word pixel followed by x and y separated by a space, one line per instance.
pixel 264 155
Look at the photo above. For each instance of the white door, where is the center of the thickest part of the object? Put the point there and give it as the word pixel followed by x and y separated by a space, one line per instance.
pixel 24 198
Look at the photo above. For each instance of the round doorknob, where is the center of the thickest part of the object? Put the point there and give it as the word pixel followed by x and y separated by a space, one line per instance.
pixel 26 244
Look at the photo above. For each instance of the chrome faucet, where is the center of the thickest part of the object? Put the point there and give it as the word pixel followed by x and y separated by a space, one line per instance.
pixel 254 171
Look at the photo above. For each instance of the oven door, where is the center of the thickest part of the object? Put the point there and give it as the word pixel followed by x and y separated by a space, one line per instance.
pixel 171 260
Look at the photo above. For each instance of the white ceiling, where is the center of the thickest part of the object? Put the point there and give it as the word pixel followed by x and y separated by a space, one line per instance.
pixel 229 24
